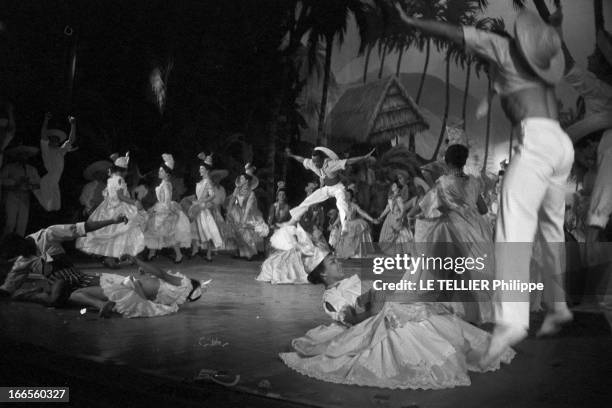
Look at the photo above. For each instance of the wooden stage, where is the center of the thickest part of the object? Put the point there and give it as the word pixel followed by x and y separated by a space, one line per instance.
pixel 240 325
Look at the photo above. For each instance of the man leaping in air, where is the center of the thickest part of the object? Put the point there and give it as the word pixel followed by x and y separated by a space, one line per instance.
pixel 327 165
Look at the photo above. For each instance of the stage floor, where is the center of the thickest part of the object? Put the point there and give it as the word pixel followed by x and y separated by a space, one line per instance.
pixel 240 325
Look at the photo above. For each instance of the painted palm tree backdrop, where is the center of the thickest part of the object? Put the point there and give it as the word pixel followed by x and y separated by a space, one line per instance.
pixel 185 76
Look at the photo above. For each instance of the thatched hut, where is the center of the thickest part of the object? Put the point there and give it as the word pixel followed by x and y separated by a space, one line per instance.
pixel 377 112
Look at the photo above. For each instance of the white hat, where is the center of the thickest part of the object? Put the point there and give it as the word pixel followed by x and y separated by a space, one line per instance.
pixel 208 160
pixel 168 160
pixel 419 182
pixel 590 124
pixel 121 161
pixel 328 152
pixel 540 46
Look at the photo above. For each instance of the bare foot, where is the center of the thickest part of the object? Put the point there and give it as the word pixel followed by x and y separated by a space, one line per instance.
pixel 106 310
pixel 553 321
pixel 503 338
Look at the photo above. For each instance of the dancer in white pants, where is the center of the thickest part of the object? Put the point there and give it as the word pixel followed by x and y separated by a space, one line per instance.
pixel 327 165
pixel 524 71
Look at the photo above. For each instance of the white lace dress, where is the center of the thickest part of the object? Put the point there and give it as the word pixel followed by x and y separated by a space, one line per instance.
pixel 404 346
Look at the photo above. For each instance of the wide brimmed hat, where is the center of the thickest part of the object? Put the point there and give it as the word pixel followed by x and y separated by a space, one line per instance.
pixel 217 175
pixel 18 151
pixel 540 46
pixel 60 134
pixel 589 124
pixel 100 166
pixel 328 152
pixel 604 45
pixel 168 160
pixel 250 170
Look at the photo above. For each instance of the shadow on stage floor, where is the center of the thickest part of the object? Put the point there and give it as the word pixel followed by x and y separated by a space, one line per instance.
pixel 240 326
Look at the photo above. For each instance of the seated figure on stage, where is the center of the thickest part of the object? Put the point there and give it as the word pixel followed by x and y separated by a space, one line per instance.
pixel 378 343
pixel 42 253
pixel 153 292
pixel 327 165
pixel 294 255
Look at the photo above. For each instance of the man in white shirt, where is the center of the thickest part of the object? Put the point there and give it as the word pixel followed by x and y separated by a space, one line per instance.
pixel 42 253
pixel 327 166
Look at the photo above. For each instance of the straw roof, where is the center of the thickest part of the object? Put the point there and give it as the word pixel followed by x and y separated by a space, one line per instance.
pixel 374 113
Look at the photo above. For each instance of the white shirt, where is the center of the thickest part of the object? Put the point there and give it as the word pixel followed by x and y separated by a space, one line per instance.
pixel 330 169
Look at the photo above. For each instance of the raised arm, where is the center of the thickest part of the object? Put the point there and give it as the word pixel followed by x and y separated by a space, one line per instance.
pixel 439 29
pixel 72 135
pixel 354 160
pixel 293 156
pixel 43 129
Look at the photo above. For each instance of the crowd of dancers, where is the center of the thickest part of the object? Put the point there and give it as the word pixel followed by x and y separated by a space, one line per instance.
pixel 372 341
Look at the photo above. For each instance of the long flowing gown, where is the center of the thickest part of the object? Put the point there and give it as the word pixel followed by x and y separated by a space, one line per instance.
pixel 453 227
pixel 249 234
pixel 167 226
pixel 204 225
pixel 354 243
pixel 395 237
pixel 404 346
pixel 294 255
pixel 118 239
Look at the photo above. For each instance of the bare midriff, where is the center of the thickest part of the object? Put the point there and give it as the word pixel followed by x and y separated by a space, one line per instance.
pixel 533 102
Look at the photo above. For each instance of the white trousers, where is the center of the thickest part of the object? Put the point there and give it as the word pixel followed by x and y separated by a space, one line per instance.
pixel 320 195
pixel 532 200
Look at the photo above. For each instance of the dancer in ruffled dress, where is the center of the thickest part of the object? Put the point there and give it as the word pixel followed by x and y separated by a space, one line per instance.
pixel 453 224
pixel 92 193
pixel 244 217
pixel 167 225
pixel 395 236
pixel 387 344
pixel 358 235
pixel 120 239
pixel 279 211
pixel 206 233
pixel 294 255
pixel 153 292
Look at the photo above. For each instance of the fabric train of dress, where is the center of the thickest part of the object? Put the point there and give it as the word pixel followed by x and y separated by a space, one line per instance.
pixel 452 227
pixel 118 239
pixel 167 225
pixel 293 257
pixel 404 346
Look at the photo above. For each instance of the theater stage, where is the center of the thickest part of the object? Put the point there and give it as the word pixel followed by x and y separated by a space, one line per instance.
pixel 241 325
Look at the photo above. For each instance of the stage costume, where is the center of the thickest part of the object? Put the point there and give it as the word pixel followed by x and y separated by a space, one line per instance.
pixel 18 181
pixel 128 303
pixel 451 218
pixel 293 257
pixel 331 186
pixel 245 219
pixel 404 346
pixel 118 239
pixel 395 236
pixel 53 159
pixel 354 244
pixel 167 225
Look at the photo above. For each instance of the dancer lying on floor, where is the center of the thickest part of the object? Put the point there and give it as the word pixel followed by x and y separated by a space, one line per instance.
pixel 42 253
pixel 153 292
pixel 408 345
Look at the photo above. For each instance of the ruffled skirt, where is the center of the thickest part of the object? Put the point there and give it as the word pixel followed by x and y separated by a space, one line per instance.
pixel 168 226
pixel 283 267
pixel 395 237
pixel 405 346
pixel 117 239
pixel 354 244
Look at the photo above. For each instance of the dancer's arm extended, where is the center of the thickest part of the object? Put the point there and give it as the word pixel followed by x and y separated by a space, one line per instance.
pixel 67 232
pixel 354 160
pixel 43 129
pixel 154 270
pixel 435 28
pixel 293 156
pixel 72 135
pixel 10 130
